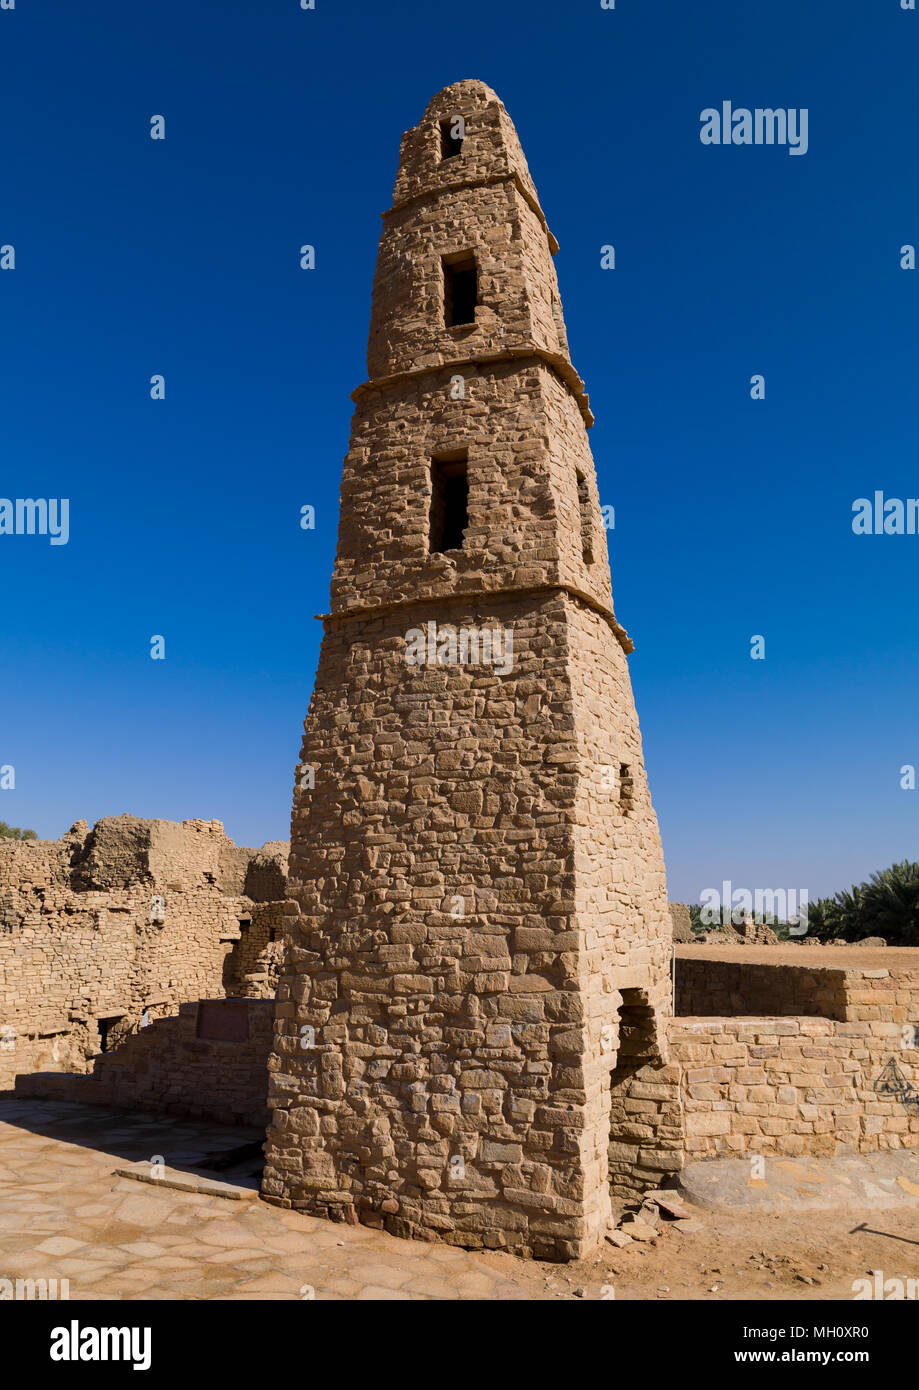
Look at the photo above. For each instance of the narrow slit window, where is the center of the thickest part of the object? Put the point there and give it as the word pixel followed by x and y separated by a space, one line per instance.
pixel 449 503
pixel 451 137
pixel 461 290
pixel 626 789
pixel 587 530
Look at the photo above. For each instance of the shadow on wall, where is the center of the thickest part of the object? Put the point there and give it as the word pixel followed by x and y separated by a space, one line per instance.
pixel 209 1061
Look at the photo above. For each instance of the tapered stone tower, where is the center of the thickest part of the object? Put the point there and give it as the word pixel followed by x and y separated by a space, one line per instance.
pixel 481 941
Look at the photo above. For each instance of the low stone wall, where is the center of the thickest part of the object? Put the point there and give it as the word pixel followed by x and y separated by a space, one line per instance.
pixel 849 984
pixel 211 1060
pixel 722 988
pixel 795 1085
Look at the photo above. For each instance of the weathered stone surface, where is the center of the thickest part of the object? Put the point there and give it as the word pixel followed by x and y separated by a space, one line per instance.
pixel 636 1229
pixel 108 928
pixel 170 1067
pixel 483 939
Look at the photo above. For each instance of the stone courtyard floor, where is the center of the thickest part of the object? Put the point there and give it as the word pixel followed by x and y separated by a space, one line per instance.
pixel 65 1213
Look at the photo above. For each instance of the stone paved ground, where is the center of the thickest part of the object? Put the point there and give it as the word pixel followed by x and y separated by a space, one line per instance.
pixel 853 1182
pixel 64 1215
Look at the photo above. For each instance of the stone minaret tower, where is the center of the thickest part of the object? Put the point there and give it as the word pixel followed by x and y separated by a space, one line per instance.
pixel 481 949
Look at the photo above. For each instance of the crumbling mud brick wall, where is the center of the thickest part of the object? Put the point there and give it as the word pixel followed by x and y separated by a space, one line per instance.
pixel 103 928
pixel 477 870
pixel 209 1060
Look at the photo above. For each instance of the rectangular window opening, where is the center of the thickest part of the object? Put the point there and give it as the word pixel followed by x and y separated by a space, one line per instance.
pixel 461 290
pixel 587 530
pixel 450 144
pixel 449 502
pixel 626 789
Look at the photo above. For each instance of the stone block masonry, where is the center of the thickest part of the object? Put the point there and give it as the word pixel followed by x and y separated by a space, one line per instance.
pixel 480 952
pixel 725 988
pixel 180 1065
pixel 792 1086
pixel 104 929
pixel 831 1065
pixel 848 984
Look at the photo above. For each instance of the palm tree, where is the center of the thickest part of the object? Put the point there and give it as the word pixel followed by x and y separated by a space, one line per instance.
pixel 891 902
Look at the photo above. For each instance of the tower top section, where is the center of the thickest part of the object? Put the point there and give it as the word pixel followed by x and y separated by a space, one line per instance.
pixel 469 472
pixel 465 137
pixel 464 270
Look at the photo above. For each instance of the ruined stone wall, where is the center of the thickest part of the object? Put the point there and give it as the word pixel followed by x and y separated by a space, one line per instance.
pixel 646 1147
pixel 259 953
pixel 682 923
pixel 169 1066
pixel 101 927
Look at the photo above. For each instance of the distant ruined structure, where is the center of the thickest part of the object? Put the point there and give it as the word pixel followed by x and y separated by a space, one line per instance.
pixel 106 930
pixel 482 952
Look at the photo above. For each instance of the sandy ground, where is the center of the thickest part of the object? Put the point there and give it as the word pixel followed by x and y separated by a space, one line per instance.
pixel 752 1255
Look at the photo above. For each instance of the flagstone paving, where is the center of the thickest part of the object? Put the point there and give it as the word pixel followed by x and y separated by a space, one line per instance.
pixel 66 1214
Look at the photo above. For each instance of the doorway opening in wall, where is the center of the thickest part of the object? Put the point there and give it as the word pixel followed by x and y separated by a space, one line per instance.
pixel 107 1028
pixel 630 1147
pixel 637 1036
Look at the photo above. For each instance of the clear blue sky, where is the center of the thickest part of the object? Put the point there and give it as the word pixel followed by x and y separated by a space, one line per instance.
pixel 733 517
